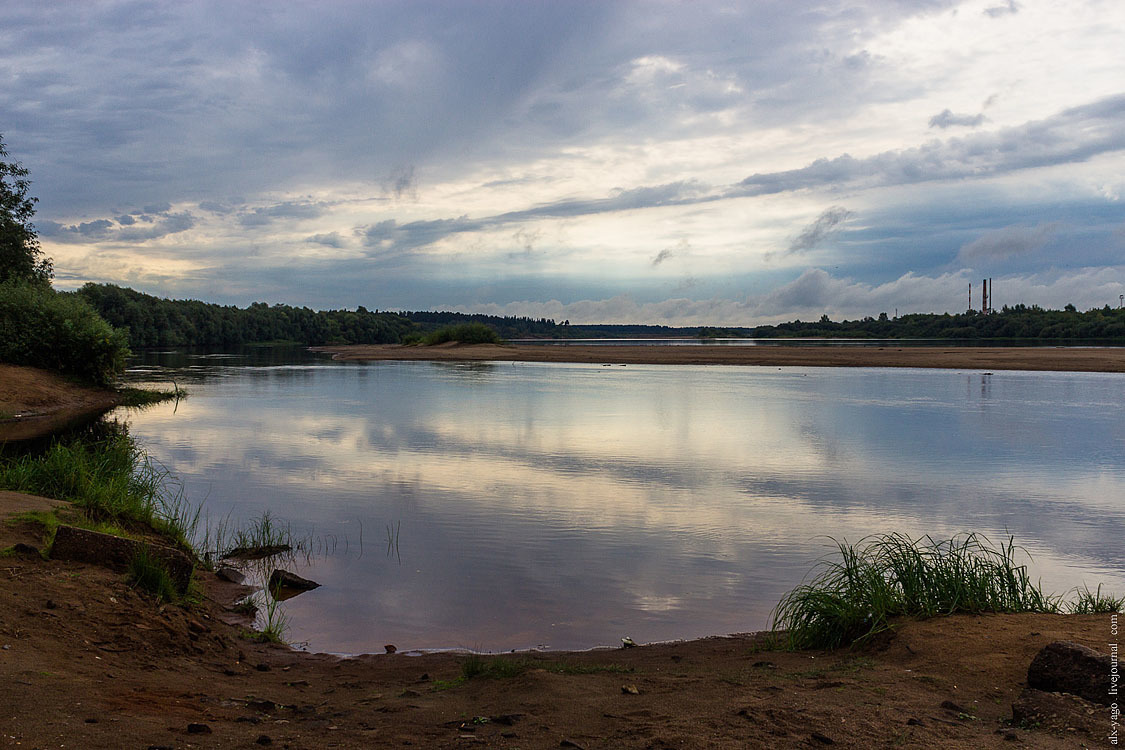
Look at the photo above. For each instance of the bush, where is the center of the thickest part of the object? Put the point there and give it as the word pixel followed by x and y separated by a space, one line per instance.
pixel 43 328
pixel 464 333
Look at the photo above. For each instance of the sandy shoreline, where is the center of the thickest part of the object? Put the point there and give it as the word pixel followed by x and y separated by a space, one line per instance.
pixel 89 661
pixel 958 358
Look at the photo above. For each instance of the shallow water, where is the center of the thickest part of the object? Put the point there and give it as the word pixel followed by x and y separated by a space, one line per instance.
pixel 500 506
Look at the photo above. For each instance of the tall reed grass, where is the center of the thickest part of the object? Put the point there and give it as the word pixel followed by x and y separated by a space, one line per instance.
pixel 851 599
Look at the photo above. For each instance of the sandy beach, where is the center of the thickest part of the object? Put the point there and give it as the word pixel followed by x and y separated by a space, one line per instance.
pixel 1072 359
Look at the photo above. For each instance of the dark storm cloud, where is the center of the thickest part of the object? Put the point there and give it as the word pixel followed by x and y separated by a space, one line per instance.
pixel 127 228
pixel 829 222
pixel 662 256
pixel 1073 135
pixel 173 102
pixel 1006 242
pixel 330 239
pixel 389 235
pixel 263 215
pixel 947 119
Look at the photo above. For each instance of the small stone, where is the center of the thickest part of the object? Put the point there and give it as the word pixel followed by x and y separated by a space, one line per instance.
pixel 227 573
pixel 390 648
pixel 262 667
pixel 951 706
pixel 6 647
pixel 912 722
pixel 197 728
pixel 91 720
pixel 264 739
pixel 630 690
pixel 50 604
pixel 628 642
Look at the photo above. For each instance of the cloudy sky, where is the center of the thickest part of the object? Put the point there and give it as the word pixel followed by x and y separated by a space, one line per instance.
pixel 658 162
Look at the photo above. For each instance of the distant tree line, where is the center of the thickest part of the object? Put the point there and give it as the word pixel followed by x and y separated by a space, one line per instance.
pixel 1016 322
pixel 156 322
pixel 507 327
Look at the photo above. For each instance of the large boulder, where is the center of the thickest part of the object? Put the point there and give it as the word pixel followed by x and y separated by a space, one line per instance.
pixel 116 552
pixel 1066 667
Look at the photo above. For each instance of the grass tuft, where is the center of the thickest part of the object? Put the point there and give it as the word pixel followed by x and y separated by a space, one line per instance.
pixel 853 598
pixel 146 397
pixel 1096 603
pixel 148 573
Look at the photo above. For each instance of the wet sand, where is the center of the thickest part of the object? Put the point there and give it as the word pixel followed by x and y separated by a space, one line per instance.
pixel 1067 359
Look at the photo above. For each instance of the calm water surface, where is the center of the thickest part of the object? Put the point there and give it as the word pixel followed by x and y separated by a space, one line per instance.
pixel 568 505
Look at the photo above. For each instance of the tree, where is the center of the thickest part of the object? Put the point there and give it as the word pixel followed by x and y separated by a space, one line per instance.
pixel 20 255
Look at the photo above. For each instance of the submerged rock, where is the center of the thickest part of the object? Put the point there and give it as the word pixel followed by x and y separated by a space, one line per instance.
pixel 284 584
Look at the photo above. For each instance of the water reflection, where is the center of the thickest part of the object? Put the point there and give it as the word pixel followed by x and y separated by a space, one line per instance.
pixel 569 505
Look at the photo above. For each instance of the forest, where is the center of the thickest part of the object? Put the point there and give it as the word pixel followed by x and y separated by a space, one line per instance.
pixel 153 322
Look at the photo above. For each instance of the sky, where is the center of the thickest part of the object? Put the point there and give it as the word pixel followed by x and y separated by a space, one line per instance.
pixel 674 163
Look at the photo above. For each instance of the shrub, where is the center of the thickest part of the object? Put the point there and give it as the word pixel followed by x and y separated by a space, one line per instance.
pixel 43 328
pixel 463 333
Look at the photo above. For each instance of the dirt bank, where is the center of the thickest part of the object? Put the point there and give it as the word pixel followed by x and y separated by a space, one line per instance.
pixel 36 402
pixel 960 358
pixel 86 661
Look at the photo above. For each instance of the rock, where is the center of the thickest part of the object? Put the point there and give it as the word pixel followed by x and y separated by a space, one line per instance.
pixel 258 552
pixel 233 575
pixel 630 690
pixel 25 550
pixel 284 584
pixel 197 728
pixel 390 648
pixel 1066 667
pixel 628 642
pixel 264 739
pixel 1056 711
pixel 951 706
pixel 115 552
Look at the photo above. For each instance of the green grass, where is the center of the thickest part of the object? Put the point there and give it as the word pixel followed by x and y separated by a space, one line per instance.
pixel 146 397
pixel 882 577
pixel 1096 603
pixel 148 573
pixel 110 478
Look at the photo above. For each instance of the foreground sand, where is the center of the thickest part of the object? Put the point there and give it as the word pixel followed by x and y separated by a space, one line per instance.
pixel 88 662
pixel 962 358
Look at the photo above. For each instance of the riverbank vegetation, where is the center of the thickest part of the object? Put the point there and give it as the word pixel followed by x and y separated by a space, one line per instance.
pixel 110 478
pixel 852 599
pixel 461 333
